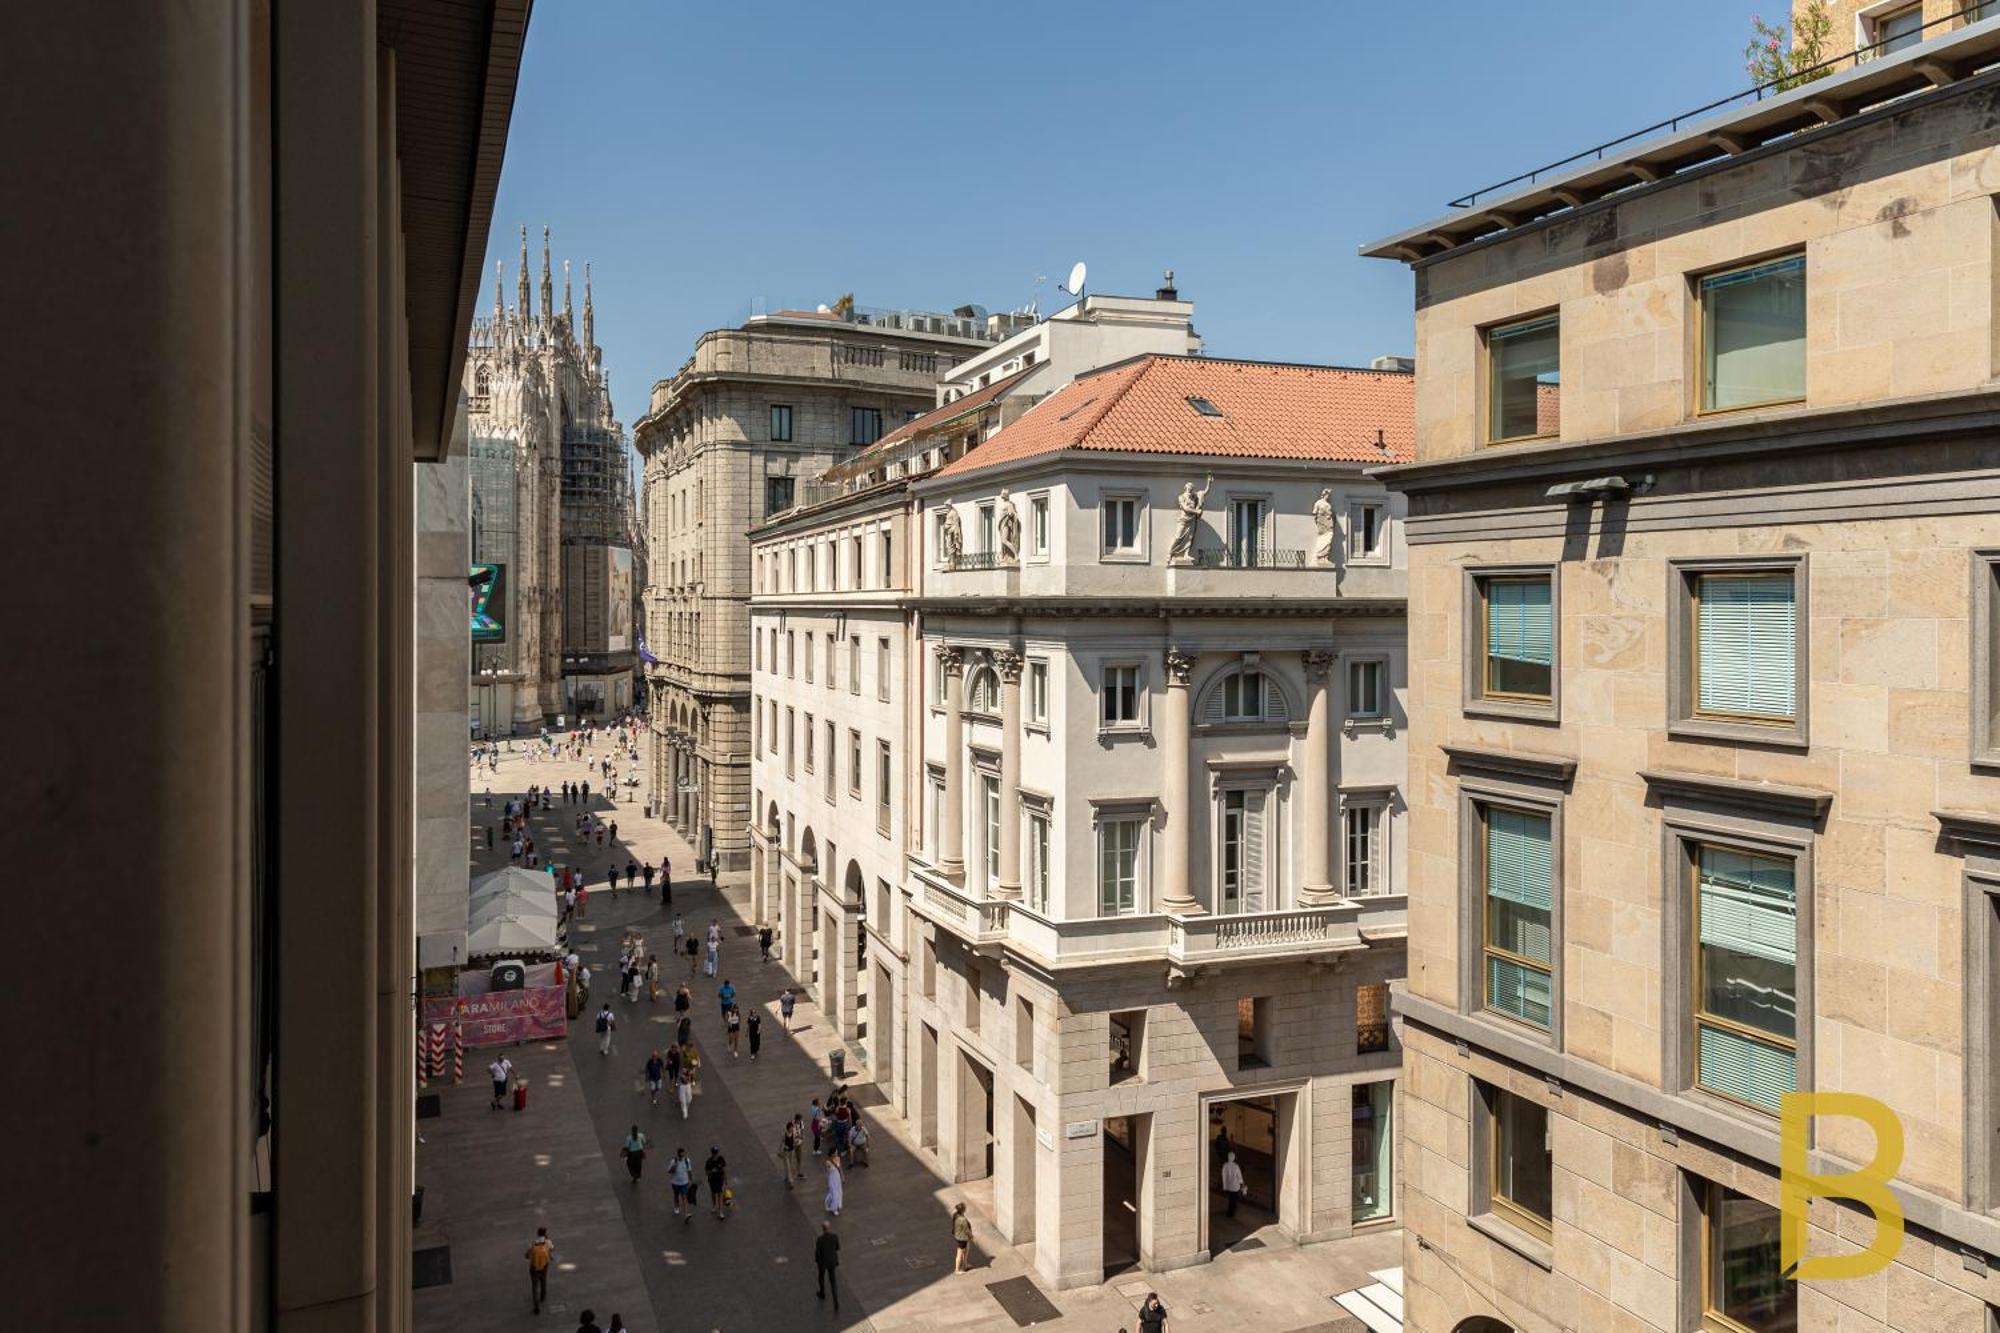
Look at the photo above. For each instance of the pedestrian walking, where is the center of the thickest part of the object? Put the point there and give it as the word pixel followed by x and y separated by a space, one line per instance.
pixel 684 1032
pixel 489 836
pixel 666 881
pixel 606 1022
pixel 756 1032
pixel 785 1003
pixel 635 1153
pixel 653 978
pixel 583 980
pixel 961 1238
pixel 680 1175
pixel 725 994
pixel 680 934
pixel 835 1187
pixel 541 1257
pixel 684 1090
pixel 826 1259
pixel 502 1070
pixel 817 1122
pixel 632 872
pixel 646 873
pixel 716 1168
pixel 791 1144
pixel 617 1324
pixel 843 1123
pixel 694 954
pixel 656 1069
pixel 1152 1315
pixel 857 1142
pixel 582 898
pixel 732 1023
pixel 1232 1183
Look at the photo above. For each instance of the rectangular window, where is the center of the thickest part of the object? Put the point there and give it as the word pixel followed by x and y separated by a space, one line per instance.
pixel 1753 335
pixel 1361 836
pixel 882 670
pixel 830 641
pixel 972 997
pixel 1246 532
pixel 1746 933
pixel 927 971
pixel 809 657
pixel 854 665
pixel 854 764
pixel 1127 1044
pixel 791 653
pixel 940 685
pixel 1121 525
pixel 1897 30
pixel 883 786
pixel 1367 532
pixel 888 563
pixel 777 495
pixel 1517 872
pixel 811 733
pixel 1024 1033
pixel 1038 862
pixel 1038 692
pixel 1038 525
pixel 774 726
pixel 987 542
pixel 1743 1285
pixel 1243 697
pixel 1516 637
pixel 1121 696
pixel 864 424
pixel 1364 688
pixel 989 790
pixel 933 813
pixel 1371 1018
pixel 1371 1133
pixel 855 577
pixel 1256 1032
pixel 791 727
pixel 832 758
pixel 1984 634
pixel 1118 866
pixel 1521 1166
pixel 1524 380
pixel 1745 646
pixel 781 423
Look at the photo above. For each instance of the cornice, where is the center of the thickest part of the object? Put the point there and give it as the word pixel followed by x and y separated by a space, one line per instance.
pixel 1551 768
pixel 1771 798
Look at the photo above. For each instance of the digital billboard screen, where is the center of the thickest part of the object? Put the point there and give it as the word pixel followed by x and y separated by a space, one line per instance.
pixel 489 603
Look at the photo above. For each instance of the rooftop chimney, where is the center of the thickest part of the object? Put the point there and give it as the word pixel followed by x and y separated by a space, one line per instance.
pixel 1166 291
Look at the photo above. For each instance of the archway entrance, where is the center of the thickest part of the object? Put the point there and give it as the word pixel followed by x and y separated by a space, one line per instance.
pixel 1258 1131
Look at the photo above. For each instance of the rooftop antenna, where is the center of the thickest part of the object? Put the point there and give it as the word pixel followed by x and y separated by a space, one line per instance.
pixel 1077 274
pixel 1033 309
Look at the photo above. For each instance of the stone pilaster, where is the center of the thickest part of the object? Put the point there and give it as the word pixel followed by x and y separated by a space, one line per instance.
pixel 1318 887
pixel 951 831
pixel 1176 803
pixel 1007 662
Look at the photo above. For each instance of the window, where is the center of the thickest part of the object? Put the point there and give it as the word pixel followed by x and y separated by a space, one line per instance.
pixel 888 565
pixel 1372 1193
pixel 832 758
pixel 1361 837
pixel 774 726
pixel 1246 532
pixel 756 726
pixel 1985 665
pixel 809 657
pixel 940 684
pixel 882 670
pixel 882 786
pixel 1038 525
pixel 1520 1180
pixel 1038 693
pixel 982 693
pixel 1024 1033
pixel 854 665
pixel 1243 697
pixel 1753 335
pixel 1896 30
pixel 854 764
pixel 1517 869
pixel 1204 407
pixel 1371 1018
pixel 1523 380
pixel 987 543
pixel 927 971
pixel 777 495
pixel 1240 845
pixel 1118 866
pixel 757 648
pixel 1745 646
pixel 864 424
pixel 855 578
pixel 1367 532
pixel 1256 1032
pixel 1743 1286
pixel 830 641
pixel 989 791
pixel 1364 688
pixel 1038 862
pixel 1127 1044
pixel 1516 622
pixel 1121 696
pixel 933 813
pixel 1746 937
pixel 781 423
pixel 791 726
pixel 972 996
pixel 1121 525
pixel 811 732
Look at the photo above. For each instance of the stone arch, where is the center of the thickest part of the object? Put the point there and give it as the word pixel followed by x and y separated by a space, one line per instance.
pixel 856 883
pixel 1480 1323
pixel 772 824
pixel 982 690
pixel 808 850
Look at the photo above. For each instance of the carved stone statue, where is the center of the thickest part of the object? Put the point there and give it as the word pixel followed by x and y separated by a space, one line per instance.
pixel 951 535
pixel 1323 520
pixel 1010 528
pixel 1191 502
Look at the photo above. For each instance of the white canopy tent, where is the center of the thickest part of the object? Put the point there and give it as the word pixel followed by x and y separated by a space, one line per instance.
pixel 512 911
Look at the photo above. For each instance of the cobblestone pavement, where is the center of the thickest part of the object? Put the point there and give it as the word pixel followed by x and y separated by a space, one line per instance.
pixel 491 1177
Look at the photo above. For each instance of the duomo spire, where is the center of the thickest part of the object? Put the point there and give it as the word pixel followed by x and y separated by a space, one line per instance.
pixel 589 323
pixel 521 302
pixel 569 311
pixel 548 289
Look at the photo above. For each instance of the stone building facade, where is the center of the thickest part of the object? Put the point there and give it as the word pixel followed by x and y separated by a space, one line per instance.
pixel 732 438
pixel 548 473
pixel 1704 802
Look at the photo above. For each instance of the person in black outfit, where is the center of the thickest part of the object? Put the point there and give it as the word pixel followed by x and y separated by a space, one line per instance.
pixel 763 942
pixel 826 1258
pixel 588 1324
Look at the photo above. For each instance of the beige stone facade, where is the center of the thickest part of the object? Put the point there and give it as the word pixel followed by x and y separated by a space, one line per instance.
pixel 1874 491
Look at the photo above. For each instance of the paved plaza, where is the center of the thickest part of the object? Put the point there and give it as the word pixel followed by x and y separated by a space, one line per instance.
pixel 491 1177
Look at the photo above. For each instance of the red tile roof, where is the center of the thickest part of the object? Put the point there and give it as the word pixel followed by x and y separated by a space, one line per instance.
pixel 1268 410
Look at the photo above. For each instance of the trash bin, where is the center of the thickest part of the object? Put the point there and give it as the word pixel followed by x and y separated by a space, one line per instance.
pixel 838 1060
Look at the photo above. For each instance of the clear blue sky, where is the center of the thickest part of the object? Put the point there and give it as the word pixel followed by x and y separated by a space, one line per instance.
pixel 703 156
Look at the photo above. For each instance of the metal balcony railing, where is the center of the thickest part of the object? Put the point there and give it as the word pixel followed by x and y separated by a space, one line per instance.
pixel 1259 557
pixel 980 560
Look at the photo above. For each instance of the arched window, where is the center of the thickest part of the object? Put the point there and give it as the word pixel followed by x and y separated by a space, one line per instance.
pixel 482 380
pixel 982 692
pixel 1243 694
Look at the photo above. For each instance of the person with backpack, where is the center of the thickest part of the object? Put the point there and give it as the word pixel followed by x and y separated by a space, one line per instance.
pixel 541 1258
pixel 680 1175
pixel 764 942
pixel 716 1168
pixel 656 1069
pixel 606 1022
pixel 635 1153
pixel 732 1022
pixel 791 1146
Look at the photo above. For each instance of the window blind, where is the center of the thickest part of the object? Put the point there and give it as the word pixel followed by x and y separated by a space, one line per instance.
pixel 1741 1067
pixel 1253 851
pixel 1517 990
pixel 1519 866
pixel 1518 621
pixel 1746 645
pixel 1749 904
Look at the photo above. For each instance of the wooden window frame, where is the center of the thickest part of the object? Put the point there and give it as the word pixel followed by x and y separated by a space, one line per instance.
pixel 1479 669
pixel 1481 804
pixel 1700 330
pixel 1487 400
pixel 1684 720
pixel 1689 848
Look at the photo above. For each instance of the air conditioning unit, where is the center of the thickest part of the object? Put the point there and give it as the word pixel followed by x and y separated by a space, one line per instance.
pixel 510 974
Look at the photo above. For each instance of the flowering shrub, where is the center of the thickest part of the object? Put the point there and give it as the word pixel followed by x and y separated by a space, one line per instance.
pixel 1788 59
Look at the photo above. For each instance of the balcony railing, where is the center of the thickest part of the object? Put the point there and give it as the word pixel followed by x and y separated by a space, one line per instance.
pixel 981 560
pixel 1259 557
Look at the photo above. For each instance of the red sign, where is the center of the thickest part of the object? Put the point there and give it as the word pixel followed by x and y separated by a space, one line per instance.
pixel 500 1017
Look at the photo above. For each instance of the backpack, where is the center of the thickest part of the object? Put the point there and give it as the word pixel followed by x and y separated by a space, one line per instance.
pixel 603 1023
pixel 538 1256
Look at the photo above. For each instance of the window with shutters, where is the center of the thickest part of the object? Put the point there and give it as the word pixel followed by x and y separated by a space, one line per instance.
pixel 854 665
pixel 1739 649
pixel 1364 832
pixel 989 804
pixel 1512 621
pixel 854 764
pixel 1123 536
pixel 1367 699
pixel 1242 696
pixel 811 732
pixel 1038 693
pixel 1984 672
pixel 1368 533
pixel 1038 862
pixel 882 670
pixel 883 790
pixel 982 693
pixel 832 759
pixel 1516 871
pixel 1745 951
pixel 1120 847
pixel 1242 836
pixel 1119 698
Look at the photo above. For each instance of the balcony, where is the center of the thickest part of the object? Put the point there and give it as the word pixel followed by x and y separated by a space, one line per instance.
pixel 965 560
pixel 1252 557
pixel 1209 938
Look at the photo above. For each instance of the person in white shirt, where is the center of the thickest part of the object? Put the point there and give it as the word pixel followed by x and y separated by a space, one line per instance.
pixel 1232 1182
pixel 502 1070
pixel 606 1021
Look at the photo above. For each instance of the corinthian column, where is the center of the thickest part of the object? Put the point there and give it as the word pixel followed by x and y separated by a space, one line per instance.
pixel 1176 893
pixel 1318 888
pixel 1008 663
pixel 951 819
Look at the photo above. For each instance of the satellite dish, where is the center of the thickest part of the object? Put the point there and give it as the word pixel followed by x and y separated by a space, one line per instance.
pixel 1076 277
pixel 825 309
